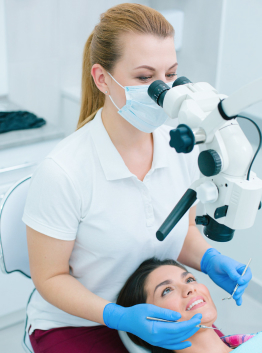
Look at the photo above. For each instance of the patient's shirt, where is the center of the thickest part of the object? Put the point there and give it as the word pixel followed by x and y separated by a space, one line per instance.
pixel 83 191
pixel 234 341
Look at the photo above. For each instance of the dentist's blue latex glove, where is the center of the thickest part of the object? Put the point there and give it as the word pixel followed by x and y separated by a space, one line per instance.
pixel 167 335
pixel 226 272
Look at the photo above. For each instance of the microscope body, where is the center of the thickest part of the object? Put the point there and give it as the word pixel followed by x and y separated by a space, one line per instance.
pixel 230 200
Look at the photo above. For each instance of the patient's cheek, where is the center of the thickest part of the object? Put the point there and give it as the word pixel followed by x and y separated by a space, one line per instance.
pixel 171 303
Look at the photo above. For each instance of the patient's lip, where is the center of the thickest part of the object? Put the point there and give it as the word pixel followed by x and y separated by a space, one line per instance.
pixel 193 300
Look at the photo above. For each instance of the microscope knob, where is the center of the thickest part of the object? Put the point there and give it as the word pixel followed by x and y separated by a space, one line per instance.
pixel 209 162
pixel 203 220
pixel 182 139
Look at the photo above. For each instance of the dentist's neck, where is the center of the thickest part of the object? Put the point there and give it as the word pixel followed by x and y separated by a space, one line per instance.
pixel 206 340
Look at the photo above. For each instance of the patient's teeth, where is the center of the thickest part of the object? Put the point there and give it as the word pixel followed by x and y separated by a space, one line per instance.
pixel 195 303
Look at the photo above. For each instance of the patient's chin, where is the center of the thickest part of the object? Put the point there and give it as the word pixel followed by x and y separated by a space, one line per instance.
pixel 209 317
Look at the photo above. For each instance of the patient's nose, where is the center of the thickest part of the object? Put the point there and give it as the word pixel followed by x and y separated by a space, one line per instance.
pixel 188 290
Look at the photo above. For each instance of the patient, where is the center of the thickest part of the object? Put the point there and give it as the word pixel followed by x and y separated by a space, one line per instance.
pixel 169 285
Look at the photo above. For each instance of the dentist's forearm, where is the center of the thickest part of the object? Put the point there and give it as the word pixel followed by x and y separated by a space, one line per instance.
pixel 68 294
pixel 193 248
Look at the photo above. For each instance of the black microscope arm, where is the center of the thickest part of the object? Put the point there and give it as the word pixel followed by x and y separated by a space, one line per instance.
pixel 176 214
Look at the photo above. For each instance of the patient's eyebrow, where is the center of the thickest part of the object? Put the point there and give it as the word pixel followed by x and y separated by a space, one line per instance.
pixel 168 281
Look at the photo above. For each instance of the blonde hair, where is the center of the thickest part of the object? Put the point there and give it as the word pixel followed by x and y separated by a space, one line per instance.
pixel 103 47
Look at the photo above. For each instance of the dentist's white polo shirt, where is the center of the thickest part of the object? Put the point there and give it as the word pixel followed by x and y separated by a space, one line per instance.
pixel 83 191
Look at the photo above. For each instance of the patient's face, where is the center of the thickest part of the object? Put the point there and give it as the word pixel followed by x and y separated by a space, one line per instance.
pixel 172 288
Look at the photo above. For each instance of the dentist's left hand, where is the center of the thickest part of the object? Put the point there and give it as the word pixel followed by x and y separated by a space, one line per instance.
pixel 226 272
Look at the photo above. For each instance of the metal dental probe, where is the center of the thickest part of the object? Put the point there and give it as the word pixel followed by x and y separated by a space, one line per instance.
pixel 236 287
pixel 156 319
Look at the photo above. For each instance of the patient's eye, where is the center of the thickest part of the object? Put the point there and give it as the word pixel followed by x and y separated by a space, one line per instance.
pixel 166 291
pixel 194 280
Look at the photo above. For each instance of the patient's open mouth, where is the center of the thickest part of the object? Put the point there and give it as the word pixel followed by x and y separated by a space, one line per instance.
pixel 195 303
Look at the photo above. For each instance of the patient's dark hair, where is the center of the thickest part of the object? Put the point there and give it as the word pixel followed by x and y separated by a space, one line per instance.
pixel 133 292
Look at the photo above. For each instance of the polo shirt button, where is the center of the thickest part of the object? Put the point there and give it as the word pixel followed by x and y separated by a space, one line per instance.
pixel 145 192
pixel 149 209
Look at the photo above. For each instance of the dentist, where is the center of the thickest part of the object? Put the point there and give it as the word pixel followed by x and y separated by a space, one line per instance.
pixel 96 201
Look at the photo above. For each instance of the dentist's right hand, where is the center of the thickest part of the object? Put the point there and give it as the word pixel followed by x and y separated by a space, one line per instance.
pixel 168 335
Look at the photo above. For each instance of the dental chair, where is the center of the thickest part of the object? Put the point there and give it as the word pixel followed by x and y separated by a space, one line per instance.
pixel 13 243
pixel 14 252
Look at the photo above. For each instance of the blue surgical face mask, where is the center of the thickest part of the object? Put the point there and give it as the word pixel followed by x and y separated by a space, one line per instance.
pixel 140 110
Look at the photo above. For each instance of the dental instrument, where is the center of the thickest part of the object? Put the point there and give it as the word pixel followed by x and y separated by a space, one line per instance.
pixel 236 287
pixel 230 191
pixel 200 326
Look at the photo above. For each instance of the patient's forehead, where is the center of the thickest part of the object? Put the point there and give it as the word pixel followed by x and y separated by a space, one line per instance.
pixel 161 274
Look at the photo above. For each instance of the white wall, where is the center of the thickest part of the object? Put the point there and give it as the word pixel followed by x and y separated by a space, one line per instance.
pixel 197 59
pixel 45 41
pixel 3 55
pixel 240 49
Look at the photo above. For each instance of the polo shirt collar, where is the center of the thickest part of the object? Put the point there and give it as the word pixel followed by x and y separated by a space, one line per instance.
pixel 111 161
pixel 161 149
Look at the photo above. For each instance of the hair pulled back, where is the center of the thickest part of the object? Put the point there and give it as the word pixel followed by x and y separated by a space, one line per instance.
pixel 104 47
pixel 133 292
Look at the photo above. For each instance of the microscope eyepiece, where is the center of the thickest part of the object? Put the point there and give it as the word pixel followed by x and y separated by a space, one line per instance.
pixel 157 91
pixel 181 81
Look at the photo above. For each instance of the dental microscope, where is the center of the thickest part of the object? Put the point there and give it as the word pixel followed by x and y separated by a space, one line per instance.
pixel 230 192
